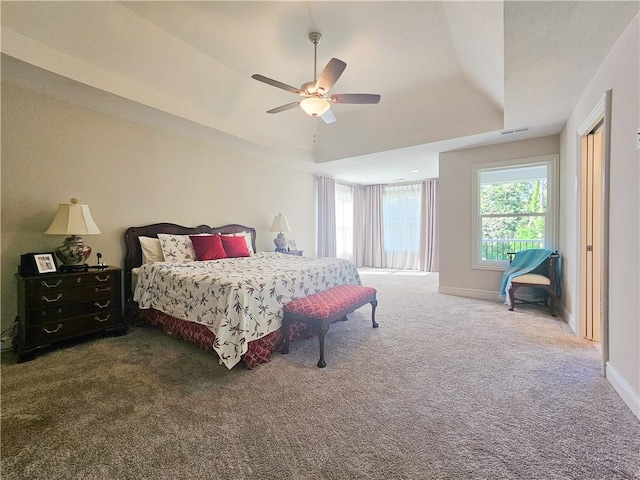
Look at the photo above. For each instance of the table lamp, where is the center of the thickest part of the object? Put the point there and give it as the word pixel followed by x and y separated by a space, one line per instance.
pixel 73 219
pixel 280 224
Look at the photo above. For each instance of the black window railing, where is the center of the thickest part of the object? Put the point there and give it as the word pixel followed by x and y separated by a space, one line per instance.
pixel 496 250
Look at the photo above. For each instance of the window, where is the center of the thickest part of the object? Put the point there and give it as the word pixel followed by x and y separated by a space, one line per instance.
pixel 344 221
pixel 515 209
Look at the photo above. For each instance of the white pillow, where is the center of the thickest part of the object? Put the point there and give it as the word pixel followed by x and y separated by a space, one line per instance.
pixel 151 250
pixel 177 248
pixel 247 238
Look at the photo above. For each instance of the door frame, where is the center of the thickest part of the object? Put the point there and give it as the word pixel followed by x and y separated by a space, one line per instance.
pixel 600 113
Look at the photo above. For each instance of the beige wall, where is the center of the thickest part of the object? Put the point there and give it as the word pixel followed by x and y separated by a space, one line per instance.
pixel 130 175
pixel 454 212
pixel 620 72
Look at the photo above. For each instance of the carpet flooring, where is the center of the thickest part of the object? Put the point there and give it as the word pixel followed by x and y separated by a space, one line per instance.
pixel 446 388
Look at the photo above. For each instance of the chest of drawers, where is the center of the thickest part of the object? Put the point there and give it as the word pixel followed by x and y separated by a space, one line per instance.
pixel 57 307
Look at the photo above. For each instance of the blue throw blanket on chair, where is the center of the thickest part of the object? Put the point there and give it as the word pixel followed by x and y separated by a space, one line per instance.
pixel 525 261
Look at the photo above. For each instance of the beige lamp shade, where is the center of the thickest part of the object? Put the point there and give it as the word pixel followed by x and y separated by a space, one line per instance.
pixel 73 219
pixel 280 224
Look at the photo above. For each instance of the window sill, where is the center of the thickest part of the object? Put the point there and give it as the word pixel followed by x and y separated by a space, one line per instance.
pixel 497 267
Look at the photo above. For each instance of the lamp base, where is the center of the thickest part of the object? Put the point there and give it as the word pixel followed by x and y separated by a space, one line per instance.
pixel 280 242
pixel 73 252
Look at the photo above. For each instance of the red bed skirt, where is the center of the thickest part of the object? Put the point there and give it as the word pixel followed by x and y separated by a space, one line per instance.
pixel 258 351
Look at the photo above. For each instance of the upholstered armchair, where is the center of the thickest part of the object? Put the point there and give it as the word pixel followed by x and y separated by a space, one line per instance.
pixel 538 269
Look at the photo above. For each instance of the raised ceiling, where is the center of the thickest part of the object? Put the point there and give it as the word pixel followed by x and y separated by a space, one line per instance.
pixel 451 74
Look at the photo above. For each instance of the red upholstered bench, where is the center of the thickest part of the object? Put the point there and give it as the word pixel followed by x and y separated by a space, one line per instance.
pixel 324 308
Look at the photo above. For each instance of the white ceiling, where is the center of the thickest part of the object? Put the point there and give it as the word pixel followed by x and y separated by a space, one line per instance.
pixel 451 74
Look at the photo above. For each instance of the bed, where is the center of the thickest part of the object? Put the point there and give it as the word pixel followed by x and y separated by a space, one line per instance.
pixel 233 306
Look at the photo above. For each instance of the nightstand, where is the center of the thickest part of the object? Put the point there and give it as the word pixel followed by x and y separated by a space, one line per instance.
pixel 60 306
pixel 294 252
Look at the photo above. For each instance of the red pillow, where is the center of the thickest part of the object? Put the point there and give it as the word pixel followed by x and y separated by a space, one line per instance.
pixel 208 247
pixel 235 246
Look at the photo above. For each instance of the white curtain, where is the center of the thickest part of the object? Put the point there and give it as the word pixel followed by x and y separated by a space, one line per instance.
pixel 401 205
pixel 429 248
pixel 344 221
pixel 367 226
pixel 326 217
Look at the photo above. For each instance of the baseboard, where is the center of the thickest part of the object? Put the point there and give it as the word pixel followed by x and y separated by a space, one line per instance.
pixel 481 294
pixel 571 321
pixel 620 385
pixel 470 293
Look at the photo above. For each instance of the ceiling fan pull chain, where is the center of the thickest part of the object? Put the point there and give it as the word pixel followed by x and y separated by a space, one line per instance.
pixel 315 133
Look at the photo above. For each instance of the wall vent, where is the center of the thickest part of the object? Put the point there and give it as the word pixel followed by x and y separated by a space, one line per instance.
pixel 514 130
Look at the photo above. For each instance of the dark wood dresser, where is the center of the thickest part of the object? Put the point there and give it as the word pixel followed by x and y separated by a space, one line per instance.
pixel 60 306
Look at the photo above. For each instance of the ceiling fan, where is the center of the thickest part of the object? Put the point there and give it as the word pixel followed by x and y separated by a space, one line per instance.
pixel 317 100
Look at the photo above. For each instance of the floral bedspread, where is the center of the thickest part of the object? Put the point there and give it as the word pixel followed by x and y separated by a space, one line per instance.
pixel 239 299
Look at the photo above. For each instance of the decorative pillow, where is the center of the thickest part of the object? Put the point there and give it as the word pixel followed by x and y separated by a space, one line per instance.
pixel 208 247
pixel 151 249
pixel 235 246
pixel 247 238
pixel 177 248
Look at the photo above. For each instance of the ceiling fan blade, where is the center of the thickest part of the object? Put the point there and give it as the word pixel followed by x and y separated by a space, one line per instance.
pixel 330 74
pixel 276 83
pixel 354 98
pixel 328 117
pixel 282 108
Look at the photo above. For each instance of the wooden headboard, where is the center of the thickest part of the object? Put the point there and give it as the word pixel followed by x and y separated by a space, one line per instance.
pixel 133 255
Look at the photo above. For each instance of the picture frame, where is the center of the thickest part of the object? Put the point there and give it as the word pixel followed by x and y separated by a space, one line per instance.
pixel 291 244
pixel 45 262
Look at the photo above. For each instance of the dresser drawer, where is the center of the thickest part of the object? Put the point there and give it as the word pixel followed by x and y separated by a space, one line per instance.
pixel 56 330
pixel 61 297
pixel 71 281
pixel 60 312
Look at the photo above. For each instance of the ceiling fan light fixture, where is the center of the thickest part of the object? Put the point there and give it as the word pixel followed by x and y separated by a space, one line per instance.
pixel 314 106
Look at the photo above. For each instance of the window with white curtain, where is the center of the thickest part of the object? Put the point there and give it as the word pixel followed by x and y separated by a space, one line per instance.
pixel 344 221
pixel 401 214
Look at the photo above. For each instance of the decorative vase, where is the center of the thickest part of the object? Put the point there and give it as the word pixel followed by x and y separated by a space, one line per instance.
pixel 73 251
pixel 280 242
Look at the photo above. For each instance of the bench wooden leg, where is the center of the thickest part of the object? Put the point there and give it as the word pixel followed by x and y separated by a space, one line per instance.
pixel 374 304
pixel 322 331
pixel 285 332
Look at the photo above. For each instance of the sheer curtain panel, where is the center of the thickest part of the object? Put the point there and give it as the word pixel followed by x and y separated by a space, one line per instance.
pixel 367 226
pixel 326 217
pixel 428 232
pixel 344 221
pixel 401 211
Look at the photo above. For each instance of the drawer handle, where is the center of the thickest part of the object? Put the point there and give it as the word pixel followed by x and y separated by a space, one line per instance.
pixel 102 319
pixel 49 300
pixel 44 312
pixel 103 306
pixel 104 289
pixel 45 284
pixel 53 331
pixel 105 279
